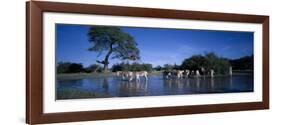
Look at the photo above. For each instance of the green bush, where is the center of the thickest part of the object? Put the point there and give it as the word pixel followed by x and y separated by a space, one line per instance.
pixel 67 67
pixel 158 68
pixel 93 68
pixel 132 67
pixel 244 63
pixel 208 61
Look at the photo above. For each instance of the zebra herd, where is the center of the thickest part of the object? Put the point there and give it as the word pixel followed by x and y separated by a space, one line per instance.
pixel 191 73
pixel 178 74
pixel 129 75
pixel 185 74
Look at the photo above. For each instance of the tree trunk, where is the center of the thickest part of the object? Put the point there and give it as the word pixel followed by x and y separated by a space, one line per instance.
pixel 105 65
pixel 105 62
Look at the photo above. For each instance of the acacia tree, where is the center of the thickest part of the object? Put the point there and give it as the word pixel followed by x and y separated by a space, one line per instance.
pixel 112 42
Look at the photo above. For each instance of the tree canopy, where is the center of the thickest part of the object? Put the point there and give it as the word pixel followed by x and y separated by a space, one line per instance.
pixel 208 61
pixel 114 43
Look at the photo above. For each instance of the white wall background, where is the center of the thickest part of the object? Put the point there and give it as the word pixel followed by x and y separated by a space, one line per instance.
pixel 12 64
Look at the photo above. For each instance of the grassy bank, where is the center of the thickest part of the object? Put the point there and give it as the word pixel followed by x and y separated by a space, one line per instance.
pixel 83 75
pixel 93 75
pixel 109 74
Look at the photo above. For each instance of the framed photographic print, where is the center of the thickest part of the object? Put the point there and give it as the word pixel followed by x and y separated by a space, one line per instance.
pixel 95 62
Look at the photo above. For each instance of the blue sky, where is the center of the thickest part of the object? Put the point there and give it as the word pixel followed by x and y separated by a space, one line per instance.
pixel 157 46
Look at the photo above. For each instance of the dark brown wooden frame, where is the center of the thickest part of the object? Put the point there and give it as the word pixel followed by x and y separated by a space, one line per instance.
pixel 34 61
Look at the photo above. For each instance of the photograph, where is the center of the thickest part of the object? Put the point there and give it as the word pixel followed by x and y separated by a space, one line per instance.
pixel 95 61
pixel 87 61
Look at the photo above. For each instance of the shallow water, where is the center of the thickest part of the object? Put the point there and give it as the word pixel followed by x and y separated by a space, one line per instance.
pixel 102 87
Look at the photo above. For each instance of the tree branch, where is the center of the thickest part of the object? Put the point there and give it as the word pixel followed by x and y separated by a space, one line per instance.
pixel 101 62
